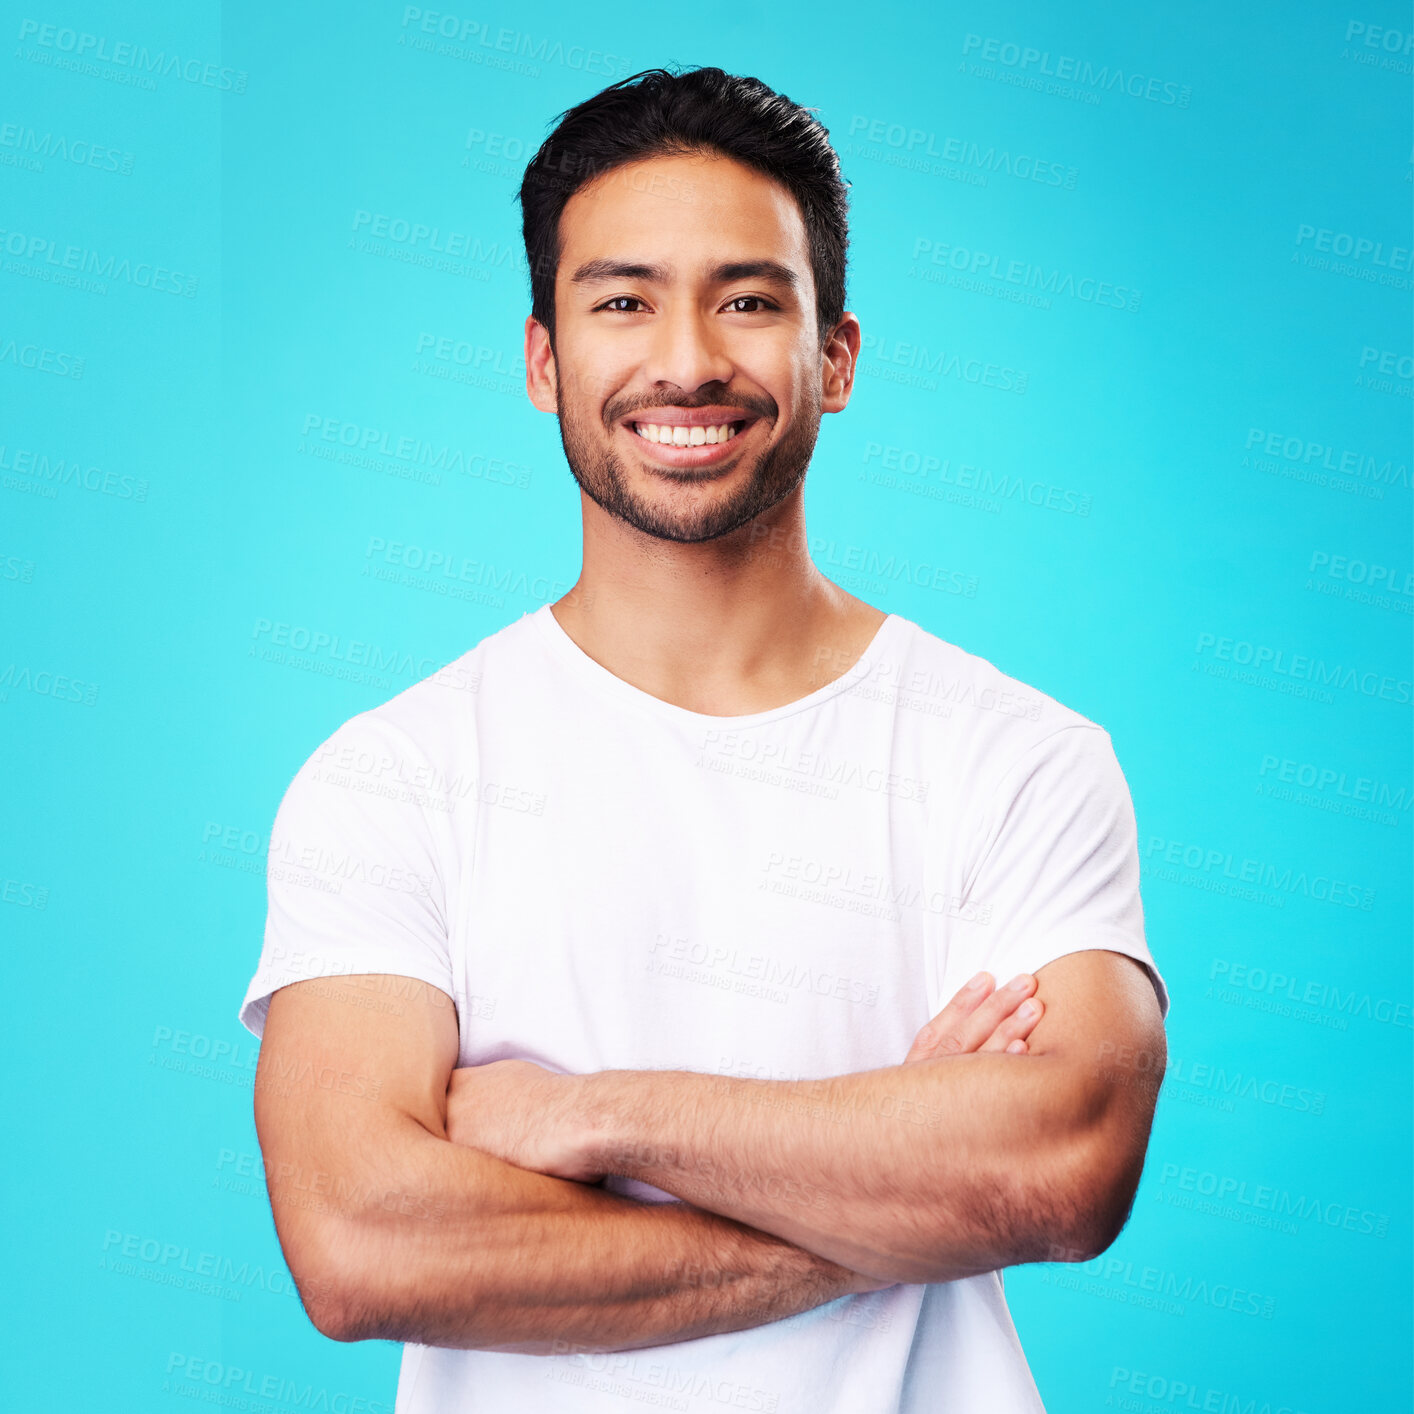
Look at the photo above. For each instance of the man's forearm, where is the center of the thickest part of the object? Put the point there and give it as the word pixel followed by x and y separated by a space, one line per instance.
pixel 908 1173
pixel 505 1259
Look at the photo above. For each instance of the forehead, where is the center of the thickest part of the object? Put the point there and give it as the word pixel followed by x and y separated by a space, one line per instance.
pixel 689 211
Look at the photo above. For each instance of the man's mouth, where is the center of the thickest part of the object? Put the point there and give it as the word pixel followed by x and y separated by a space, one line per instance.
pixel 691 439
pixel 679 436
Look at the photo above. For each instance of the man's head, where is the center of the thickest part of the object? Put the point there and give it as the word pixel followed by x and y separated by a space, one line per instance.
pixel 687 240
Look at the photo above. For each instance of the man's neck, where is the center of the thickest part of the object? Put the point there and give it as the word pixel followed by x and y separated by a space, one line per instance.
pixel 728 628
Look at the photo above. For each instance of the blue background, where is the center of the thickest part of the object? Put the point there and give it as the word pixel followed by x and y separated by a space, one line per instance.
pixel 175 485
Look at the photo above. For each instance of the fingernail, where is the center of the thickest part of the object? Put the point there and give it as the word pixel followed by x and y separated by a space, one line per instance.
pixel 978 982
pixel 1020 984
pixel 1027 1010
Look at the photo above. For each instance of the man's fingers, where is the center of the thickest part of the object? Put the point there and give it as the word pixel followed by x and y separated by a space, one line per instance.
pixel 973 1016
pixel 964 1002
pixel 948 1022
pixel 1016 1027
pixel 971 1030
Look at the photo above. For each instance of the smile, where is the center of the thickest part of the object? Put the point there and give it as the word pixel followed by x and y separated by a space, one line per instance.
pixel 687 436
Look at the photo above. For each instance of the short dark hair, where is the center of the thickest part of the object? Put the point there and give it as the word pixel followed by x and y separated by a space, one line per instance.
pixel 657 113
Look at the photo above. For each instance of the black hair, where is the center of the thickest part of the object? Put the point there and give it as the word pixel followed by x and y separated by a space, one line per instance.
pixel 657 113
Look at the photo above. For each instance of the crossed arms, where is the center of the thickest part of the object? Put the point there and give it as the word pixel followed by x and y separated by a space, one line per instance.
pixel 452 1207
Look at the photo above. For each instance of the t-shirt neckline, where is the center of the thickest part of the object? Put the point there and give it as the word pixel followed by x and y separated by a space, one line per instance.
pixel 571 653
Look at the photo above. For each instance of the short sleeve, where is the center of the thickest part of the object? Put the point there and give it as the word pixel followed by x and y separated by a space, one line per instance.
pixel 354 880
pixel 1059 869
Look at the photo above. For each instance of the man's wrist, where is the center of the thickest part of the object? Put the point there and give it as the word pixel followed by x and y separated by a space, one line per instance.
pixel 608 1141
pixel 596 1133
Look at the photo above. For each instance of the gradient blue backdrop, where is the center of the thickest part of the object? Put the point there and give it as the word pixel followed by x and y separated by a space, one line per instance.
pixel 1139 275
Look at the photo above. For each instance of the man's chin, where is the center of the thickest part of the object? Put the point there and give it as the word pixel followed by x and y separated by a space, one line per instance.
pixel 663 519
pixel 685 505
pixel 663 523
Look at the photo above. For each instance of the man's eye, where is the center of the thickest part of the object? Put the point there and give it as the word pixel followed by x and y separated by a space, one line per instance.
pixel 749 299
pixel 620 300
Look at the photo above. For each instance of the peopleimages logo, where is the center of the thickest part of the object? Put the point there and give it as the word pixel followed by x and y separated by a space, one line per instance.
pixel 62 471
pixel 1358 248
pixel 410 457
pixel 1026 59
pixel 32 148
pixel 457 244
pixel 1266 1198
pixel 214 1382
pixel 1319 456
pixel 1323 779
pixel 1184 1394
pixel 461 37
pixel 1264 659
pixel 85 49
pixel 1261 874
pixel 1282 988
pixel 46 254
pixel 972 264
pixel 943 154
pixel 41 359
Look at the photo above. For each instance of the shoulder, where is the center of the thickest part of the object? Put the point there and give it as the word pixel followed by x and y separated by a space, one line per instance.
pixel 983 738
pixel 426 732
pixel 986 717
pixel 437 711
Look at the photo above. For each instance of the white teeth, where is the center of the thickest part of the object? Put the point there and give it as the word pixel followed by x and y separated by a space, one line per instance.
pixel 685 436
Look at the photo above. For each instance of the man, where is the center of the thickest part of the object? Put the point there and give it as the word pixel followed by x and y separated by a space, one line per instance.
pixel 597 965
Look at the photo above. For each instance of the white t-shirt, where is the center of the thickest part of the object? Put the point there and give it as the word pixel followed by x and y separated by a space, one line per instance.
pixel 602 880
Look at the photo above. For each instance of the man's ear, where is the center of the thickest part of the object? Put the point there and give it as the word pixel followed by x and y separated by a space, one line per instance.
pixel 839 360
pixel 542 377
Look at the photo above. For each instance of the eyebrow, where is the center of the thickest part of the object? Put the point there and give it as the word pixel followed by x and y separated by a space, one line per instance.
pixel 595 271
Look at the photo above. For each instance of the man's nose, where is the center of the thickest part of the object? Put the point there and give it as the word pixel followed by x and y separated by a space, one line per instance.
pixel 687 349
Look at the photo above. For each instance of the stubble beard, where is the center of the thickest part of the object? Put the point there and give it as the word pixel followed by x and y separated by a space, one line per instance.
pixel 601 476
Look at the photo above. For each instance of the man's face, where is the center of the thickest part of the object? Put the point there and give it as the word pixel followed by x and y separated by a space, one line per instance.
pixel 685 306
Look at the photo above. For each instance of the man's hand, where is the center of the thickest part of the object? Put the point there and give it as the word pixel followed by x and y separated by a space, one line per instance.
pixel 520 1112
pixel 526 1115
pixel 979 1019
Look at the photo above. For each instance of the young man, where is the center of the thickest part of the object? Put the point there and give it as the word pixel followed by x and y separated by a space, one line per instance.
pixel 597 964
